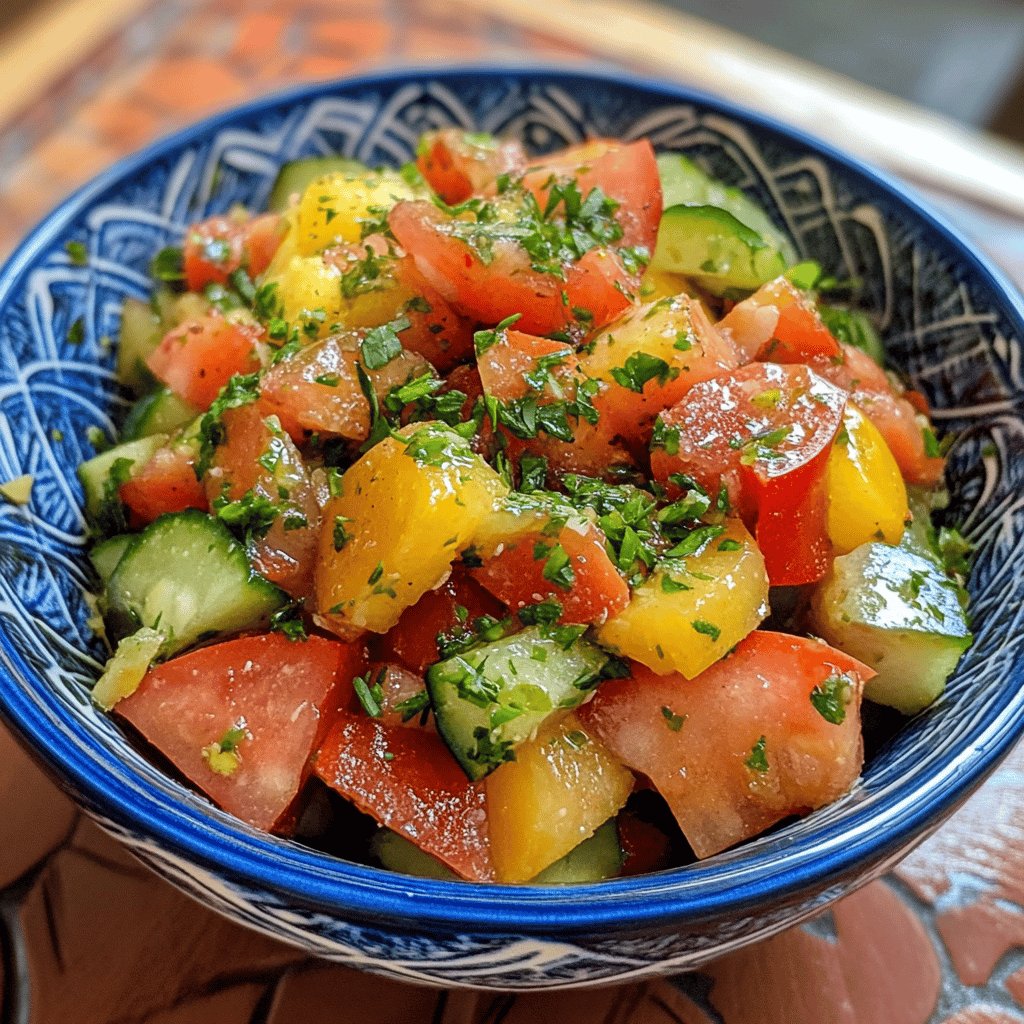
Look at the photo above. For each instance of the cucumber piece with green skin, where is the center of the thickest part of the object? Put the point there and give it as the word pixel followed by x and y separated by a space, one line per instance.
pixel 854 328
pixel 142 330
pixel 683 182
pixel 296 176
pixel 188 577
pixel 594 860
pixel 713 248
pixel 161 412
pixel 96 472
pixel 899 613
pixel 493 697
pixel 106 555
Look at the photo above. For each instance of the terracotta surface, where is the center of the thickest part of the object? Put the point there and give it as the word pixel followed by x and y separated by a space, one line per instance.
pixel 88 936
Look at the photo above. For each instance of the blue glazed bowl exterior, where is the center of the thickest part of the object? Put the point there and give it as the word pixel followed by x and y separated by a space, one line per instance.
pixel 950 322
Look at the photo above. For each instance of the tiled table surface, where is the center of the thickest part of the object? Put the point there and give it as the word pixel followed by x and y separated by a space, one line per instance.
pixel 89 936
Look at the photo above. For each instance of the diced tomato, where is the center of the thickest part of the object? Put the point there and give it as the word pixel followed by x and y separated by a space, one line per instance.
pixel 901 426
pixel 166 483
pixel 676 336
pixel 517 364
pixel 397 685
pixel 771 730
pixel 591 453
pixel 408 780
pixel 779 324
pixel 597 284
pixel 624 171
pixel 590 589
pixel 258 457
pixel 198 358
pixel 452 606
pixel 217 247
pixel 275 697
pixel 457 163
pixel 317 389
pixel 645 848
pixel 764 432
pixel 436 330
pixel 898 416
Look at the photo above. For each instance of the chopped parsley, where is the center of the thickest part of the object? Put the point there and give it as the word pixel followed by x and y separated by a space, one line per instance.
pixel 168 265
pixel 672 720
pixel 370 694
pixel 557 565
pixel 641 368
pixel 77 252
pixel 831 697
pixel 757 759
pixel 382 344
pixel 706 628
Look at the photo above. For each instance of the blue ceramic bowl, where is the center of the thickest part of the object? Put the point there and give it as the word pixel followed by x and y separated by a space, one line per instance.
pixel 950 321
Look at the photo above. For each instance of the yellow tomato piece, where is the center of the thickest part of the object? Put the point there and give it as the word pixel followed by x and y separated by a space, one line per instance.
pixel 334 208
pixel 562 786
pixel 684 620
pixel 407 509
pixel 661 284
pixel 867 499
pixel 309 291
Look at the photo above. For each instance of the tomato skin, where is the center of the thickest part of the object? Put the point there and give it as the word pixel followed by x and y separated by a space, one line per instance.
pixel 440 334
pixel 508 284
pixel 624 171
pixel 215 248
pixel 516 577
pixel 895 415
pixel 198 358
pixel 779 324
pixel 166 483
pixel 413 641
pixel 456 166
pixel 504 367
pixel 286 553
pixel 284 694
pixel 420 792
pixel 781 488
pixel 701 769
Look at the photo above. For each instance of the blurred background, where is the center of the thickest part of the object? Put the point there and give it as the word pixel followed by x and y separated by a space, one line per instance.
pixel 931 89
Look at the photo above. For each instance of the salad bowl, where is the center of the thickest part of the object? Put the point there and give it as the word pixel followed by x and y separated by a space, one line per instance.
pixel 950 322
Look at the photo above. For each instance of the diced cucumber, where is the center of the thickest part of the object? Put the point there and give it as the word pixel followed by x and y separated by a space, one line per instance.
pixel 854 328
pixel 106 555
pixel 594 860
pixel 899 613
pixel 188 577
pixel 101 475
pixel 493 697
pixel 683 182
pixel 294 177
pixel 711 246
pixel 161 412
pixel 397 853
pixel 141 331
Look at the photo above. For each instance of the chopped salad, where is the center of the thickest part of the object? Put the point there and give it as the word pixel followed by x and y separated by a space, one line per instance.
pixel 511 518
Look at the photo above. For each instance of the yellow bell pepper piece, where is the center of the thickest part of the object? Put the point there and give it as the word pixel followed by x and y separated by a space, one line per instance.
pixel 684 619
pixel 407 509
pixel 562 786
pixel 867 499
pixel 334 208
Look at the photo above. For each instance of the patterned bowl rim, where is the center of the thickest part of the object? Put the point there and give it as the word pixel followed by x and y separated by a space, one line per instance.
pixel 760 874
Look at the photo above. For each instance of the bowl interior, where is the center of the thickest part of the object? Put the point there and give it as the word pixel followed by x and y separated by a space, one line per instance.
pixel 948 321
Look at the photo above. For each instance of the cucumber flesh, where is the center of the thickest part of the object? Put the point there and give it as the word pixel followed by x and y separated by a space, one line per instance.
pixel 106 555
pixel 141 331
pixel 594 860
pixel 854 328
pixel 162 412
pixel 296 176
pixel 95 474
pixel 899 613
pixel 711 246
pixel 186 576
pixel 489 699
pixel 683 182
